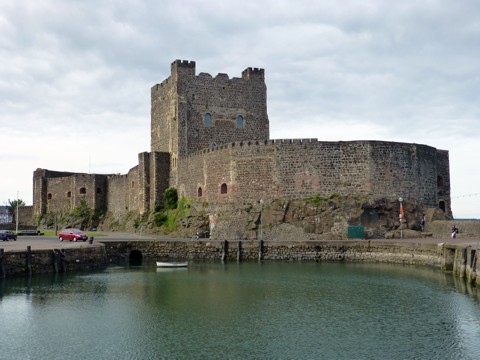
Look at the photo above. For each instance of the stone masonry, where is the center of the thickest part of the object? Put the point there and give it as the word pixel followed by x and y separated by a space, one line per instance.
pixel 210 140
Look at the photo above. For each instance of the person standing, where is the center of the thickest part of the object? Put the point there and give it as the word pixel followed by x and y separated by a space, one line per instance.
pixel 422 223
pixel 454 232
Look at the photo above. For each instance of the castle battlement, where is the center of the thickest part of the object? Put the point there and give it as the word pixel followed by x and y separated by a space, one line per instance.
pixel 184 63
pixel 253 72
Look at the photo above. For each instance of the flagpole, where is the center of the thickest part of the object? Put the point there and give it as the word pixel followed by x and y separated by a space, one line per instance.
pixel 400 199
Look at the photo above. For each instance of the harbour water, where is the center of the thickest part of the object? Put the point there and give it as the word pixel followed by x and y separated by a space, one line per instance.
pixel 270 310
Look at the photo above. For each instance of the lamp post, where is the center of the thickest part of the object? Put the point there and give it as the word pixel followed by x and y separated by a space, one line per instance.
pixel 16 215
pixel 400 200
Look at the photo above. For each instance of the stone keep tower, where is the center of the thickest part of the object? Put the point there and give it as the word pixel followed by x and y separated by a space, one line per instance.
pixel 190 113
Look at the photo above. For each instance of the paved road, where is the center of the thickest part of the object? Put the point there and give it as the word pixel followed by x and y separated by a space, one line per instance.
pixel 52 242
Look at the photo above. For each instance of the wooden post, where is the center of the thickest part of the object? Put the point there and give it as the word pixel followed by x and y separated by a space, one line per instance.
pixel 56 260
pixel 260 250
pixel 225 250
pixel 2 263
pixel 239 251
pixel 29 259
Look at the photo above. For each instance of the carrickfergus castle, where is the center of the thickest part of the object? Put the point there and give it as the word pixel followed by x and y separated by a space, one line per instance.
pixel 210 140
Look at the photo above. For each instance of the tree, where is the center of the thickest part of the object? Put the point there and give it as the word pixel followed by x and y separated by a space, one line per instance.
pixel 12 205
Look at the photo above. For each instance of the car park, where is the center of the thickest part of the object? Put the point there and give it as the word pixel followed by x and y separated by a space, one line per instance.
pixel 6 235
pixel 71 234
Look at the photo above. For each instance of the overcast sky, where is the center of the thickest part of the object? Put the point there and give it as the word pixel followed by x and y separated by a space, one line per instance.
pixel 75 77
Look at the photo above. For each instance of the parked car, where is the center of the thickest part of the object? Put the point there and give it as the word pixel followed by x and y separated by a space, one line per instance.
pixel 6 235
pixel 72 235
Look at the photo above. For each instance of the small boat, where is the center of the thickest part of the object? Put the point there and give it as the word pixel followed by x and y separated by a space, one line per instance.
pixel 171 264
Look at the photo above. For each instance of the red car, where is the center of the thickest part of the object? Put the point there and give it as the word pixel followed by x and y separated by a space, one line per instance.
pixel 72 234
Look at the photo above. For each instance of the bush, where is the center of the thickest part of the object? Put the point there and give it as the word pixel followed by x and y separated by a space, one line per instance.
pixel 170 198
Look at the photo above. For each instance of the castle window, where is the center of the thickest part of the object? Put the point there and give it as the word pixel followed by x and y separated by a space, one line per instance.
pixel 441 205
pixel 82 190
pixel 69 194
pixel 240 122
pixel 223 188
pixel 133 184
pixel 49 196
pixel 439 181
pixel 207 120
pixel 199 192
pixel 99 191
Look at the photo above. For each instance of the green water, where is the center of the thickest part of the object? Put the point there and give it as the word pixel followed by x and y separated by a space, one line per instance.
pixel 241 311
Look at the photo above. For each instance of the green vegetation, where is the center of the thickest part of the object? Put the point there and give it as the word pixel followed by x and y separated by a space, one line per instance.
pixel 316 199
pixel 167 216
pixel 12 205
pixel 170 198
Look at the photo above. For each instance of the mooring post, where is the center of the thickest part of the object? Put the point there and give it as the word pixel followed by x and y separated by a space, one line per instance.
pixel 225 250
pixel 29 259
pixel 239 250
pixel 260 250
pixel 56 260
pixel 63 261
pixel 2 263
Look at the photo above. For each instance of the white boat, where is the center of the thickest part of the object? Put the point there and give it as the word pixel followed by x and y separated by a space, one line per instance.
pixel 171 264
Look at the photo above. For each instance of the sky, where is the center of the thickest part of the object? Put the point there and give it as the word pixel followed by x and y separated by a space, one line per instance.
pixel 75 77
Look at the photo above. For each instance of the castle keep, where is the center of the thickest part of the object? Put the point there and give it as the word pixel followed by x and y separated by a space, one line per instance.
pixel 210 140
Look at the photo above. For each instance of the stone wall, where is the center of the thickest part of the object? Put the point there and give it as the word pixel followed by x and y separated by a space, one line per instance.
pixel 84 258
pixel 295 169
pixel 432 255
pixel 60 192
pixel 117 199
pixel 25 215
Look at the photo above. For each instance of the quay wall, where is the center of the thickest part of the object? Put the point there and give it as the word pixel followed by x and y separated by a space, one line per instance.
pixel 84 258
pixel 460 260
pixel 251 250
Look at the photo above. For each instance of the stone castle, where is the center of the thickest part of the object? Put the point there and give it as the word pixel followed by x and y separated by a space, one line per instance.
pixel 210 140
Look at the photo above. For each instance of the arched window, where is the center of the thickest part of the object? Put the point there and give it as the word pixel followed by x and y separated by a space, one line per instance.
pixel 223 188
pixel 82 190
pixel 441 205
pixel 69 194
pixel 99 191
pixel 49 196
pixel 240 122
pixel 199 192
pixel 207 120
pixel 133 184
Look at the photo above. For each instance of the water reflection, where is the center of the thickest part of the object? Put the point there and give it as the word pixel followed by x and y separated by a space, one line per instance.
pixel 247 310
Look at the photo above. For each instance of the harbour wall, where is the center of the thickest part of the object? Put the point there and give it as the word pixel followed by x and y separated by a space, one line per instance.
pixel 460 260
pixel 30 262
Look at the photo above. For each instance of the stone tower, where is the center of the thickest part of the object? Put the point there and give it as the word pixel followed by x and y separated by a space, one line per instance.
pixel 190 113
